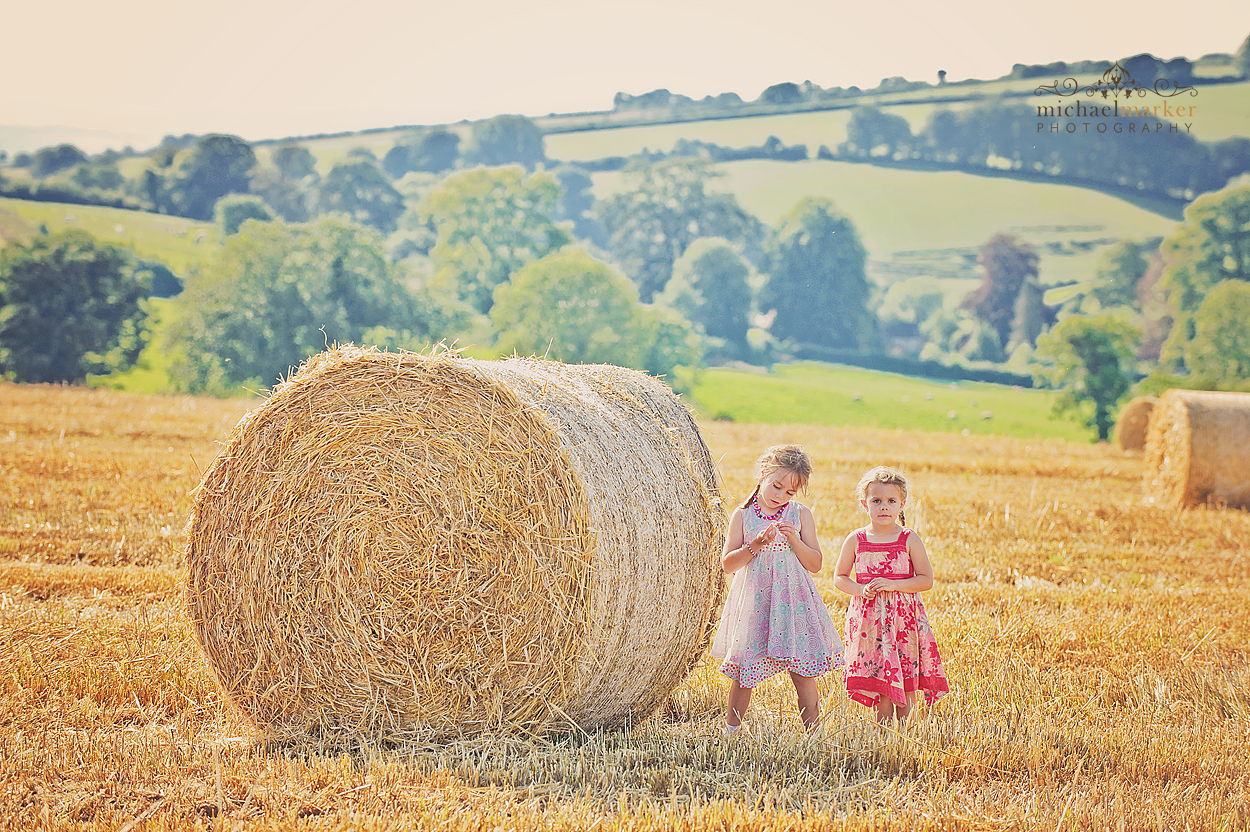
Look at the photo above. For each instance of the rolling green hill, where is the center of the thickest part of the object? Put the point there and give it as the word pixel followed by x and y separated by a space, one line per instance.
pixel 927 222
pixel 1222 111
pixel 830 394
pixel 181 244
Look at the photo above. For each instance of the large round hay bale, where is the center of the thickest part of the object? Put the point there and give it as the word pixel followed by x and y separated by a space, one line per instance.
pixel 394 542
pixel 1198 449
pixel 1134 419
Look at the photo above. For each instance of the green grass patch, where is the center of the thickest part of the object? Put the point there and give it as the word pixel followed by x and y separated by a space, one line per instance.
pixel 181 244
pixel 839 396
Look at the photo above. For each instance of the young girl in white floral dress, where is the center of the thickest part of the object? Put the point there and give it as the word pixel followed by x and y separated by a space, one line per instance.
pixel 774 618
pixel 891 652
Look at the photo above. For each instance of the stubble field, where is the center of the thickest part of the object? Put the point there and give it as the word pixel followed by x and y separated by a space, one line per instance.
pixel 1096 647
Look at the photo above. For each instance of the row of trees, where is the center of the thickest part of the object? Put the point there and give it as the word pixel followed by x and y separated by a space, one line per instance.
pixel 187 175
pixel 496 266
pixel 1006 137
pixel 489 253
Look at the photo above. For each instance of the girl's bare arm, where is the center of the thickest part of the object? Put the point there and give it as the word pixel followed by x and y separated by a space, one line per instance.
pixel 736 554
pixel 842 569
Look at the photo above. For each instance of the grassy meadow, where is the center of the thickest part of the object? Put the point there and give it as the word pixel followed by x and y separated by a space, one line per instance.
pixel 1096 647
pixel 837 396
pixel 181 244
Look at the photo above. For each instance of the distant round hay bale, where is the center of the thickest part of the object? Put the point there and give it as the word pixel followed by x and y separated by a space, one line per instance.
pixel 1134 419
pixel 1198 449
pixel 394 542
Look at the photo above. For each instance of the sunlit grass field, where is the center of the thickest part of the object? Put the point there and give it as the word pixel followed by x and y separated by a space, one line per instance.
pixel 1096 647
pixel 837 396
pixel 181 244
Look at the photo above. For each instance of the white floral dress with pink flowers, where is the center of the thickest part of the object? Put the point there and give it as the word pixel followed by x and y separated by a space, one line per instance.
pixel 890 647
pixel 774 618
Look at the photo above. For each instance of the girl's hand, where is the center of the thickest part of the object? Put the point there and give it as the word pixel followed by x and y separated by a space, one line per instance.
pixel 788 530
pixel 765 537
pixel 879 585
pixel 867 592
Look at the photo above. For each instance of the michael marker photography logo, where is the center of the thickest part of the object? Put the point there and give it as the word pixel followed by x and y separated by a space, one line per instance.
pixel 1118 104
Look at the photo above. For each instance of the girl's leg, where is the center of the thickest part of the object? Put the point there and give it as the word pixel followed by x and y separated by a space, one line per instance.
pixel 901 712
pixel 739 699
pixel 885 709
pixel 809 699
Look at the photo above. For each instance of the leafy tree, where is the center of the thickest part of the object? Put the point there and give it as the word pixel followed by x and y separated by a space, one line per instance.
pixel 663 209
pixel 289 184
pixel 1028 318
pixel 577 203
pixel 573 308
pixel 504 140
pixel 670 342
pixel 415 234
pixel 358 187
pixel 709 288
pixel 1155 310
pixel 1009 265
pixel 294 161
pixel 816 279
pixel 786 92
pixel 1219 353
pixel 102 176
pixel 490 223
pixel 871 132
pixel 233 210
pixel 214 166
pixel 913 301
pixel 1120 269
pixel 431 151
pixel 1088 357
pixel 1211 246
pixel 280 292
pixel 1230 157
pixel 69 306
pixel 50 160
pixel 956 332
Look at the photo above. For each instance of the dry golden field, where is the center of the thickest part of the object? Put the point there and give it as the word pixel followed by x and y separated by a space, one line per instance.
pixel 1096 648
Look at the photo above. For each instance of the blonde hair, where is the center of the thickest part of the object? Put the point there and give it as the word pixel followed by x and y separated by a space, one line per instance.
pixel 791 458
pixel 885 476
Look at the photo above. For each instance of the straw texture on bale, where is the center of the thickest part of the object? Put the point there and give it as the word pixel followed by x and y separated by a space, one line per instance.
pixel 1198 449
pixel 1131 426
pixel 396 542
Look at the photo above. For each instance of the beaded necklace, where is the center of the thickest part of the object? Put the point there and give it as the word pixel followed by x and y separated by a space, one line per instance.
pixel 776 516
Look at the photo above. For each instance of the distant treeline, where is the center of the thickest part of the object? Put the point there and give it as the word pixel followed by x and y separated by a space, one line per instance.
pixel 186 174
pixel 1145 69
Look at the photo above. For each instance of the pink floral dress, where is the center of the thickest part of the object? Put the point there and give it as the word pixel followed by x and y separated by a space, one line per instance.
pixel 890 648
pixel 774 618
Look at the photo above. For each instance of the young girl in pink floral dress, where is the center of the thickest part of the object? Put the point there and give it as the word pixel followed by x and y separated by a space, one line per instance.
pixel 774 618
pixel 891 653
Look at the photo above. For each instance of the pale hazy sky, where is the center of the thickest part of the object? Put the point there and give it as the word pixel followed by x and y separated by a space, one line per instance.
pixel 274 68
